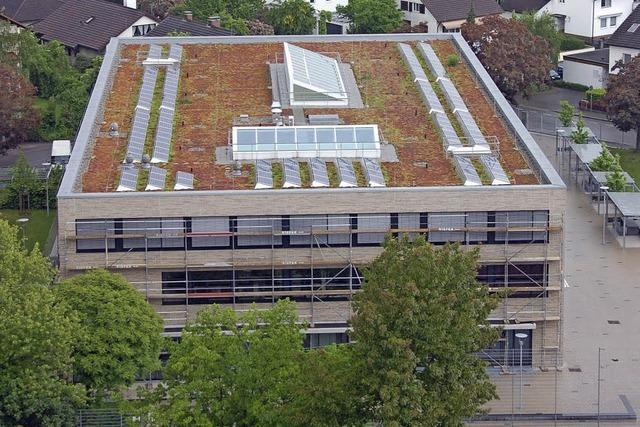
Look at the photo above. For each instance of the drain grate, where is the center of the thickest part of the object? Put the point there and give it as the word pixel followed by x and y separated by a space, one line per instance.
pixel 575 369
pixel 613 322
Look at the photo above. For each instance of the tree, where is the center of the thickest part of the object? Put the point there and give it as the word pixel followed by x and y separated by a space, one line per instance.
pixel 623 97
pixel 567 111
pixel 18 116
pixel 24 182
pixel 517 61
pixel 292 17
pixel 119 333
pixel 606 161
pixel 471 17
pixel 418 320
pixel 159 9
pixel 543 26
pixel 259 28
pixel 36 339
pixel 371 16
pixel 580 135
pixel 324 17
pixel 239 9
pixel 230 369
pixel 616 181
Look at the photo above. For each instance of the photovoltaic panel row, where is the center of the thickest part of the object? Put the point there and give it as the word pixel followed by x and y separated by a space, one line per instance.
pixel 470 128
pixel 319 175
pixel 162 145
pixel 138 134
pixel 495 170
pixel 467 171
pixel 429 96
pixel 264 174
pixel 434 64
pixel 157 178
pixel 184 181
pixel 291 169
pixel 412 61
pixel 453 96
pixel 128 178
pixel 175 52
pixel 374 174
pixel 447 131
pixel 346 172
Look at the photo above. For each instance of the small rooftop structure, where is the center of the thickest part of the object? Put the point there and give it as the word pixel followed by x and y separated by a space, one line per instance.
pixel 60 151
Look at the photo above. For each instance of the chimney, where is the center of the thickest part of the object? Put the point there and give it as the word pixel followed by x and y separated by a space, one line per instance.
pixel 214 21
pixel 130 4
pixel 188 15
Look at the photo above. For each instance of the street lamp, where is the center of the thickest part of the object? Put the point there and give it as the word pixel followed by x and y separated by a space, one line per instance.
pixel 604 190
pixel 23 225
pixel 521 337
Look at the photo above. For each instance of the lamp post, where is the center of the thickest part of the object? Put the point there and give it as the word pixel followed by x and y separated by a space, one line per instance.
pixel 605 218
pixel 521 336
pixel 23 226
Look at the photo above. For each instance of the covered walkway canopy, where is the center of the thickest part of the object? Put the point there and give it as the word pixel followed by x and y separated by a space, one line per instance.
pixel 626 215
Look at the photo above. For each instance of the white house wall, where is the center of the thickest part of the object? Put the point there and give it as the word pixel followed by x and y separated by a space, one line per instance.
pixel 142 21
pixel 583 16
pixel 584 74
pixel 616 53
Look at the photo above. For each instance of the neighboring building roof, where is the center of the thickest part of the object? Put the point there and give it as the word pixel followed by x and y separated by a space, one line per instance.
pixel 88 23
pixel 520 6
pixel 628 33
pixel 29 11
pixel 452 10
pixel 11 21
pixel 176 24
pixel 594 57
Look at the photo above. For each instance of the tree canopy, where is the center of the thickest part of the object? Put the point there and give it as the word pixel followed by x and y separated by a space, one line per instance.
pixel 623 97
pixel 118 336
pixel 292 17
pixel 18 115
pixel 543 26
pixel 371 16
pixel 239 9
pixel 517 60
pixel 36 339
pixel 418 320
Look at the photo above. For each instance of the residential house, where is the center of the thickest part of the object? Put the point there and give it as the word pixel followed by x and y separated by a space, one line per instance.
pixel 589 68
pixel 624 44
pixel 14 26
pixel 516 7
pixel 442 16
pixel 591 19
pixel 186 26
pixel 85 27
pixel 29 12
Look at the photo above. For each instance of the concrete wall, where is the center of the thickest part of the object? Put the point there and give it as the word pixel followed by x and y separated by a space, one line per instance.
pixel 583 16
pixel 584 74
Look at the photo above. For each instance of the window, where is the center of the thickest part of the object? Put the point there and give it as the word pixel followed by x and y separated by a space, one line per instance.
pixel 305 229
pixel 603 22
pixel 259 231
pixel 210 232
pixel 141 30
pixel 517 275
pixel 506 351
pixel 626 58
pixel 420 8
pixel 408 222
pixel 92 235
pixel 378 224
pixel 404 5
pixel 320 340
pixel 605 3
pixel 443 227
pixel 520 219
pixel 612 21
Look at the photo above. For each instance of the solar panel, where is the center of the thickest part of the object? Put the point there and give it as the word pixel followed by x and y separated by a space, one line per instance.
pixel 319 175
pixel 432 60
pixel 347 175
pixel 495 170
pixel 157 178
pixel 291 174
pixel 446 129
pixel 280 142
pixel 453 96
pixel 128 178
pixel 374 173
pixel 429 96
pixel 162 145
pixel 155 50
pixel 470 128
pixel 175 52
pixel 264 175
pixel 313 77
pixel 184 181
pixel 412 61
pixel 467 171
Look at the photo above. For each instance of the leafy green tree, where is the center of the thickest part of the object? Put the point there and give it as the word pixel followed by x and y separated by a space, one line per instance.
pixel 580 135
pixel 292 17
pixel 371 16
pixel 239 9
pixel 606 161
pixel 567 111
pixel 616 181
pixel 543 26
pixel 230 369
pixel 324 17
pixel 36 339
pixel 418 320
pixel 119 333
pixel 623 97
pixel 24 182
pixel 471 16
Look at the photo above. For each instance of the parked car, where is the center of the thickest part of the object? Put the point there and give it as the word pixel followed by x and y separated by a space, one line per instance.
pixel 554 75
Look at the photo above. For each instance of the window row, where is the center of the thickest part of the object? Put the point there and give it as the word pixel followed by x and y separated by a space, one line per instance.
pixel 412 7
pixel 122 235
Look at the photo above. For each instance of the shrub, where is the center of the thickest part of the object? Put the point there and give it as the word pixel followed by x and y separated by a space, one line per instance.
pixel 567 112
pixel 568 42
pixel 453 60
pixel 572 86
pixel 580 135
pixel 595 94
pixel 605 162
pixel 616 180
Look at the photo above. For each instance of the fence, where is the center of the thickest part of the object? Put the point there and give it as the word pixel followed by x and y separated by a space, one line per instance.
pixel 547 123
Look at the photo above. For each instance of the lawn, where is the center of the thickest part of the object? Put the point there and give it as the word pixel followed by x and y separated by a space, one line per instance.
pixel 36 229
pixel 630 162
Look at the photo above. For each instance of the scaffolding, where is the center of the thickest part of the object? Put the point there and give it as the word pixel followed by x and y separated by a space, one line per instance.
pixel 327 274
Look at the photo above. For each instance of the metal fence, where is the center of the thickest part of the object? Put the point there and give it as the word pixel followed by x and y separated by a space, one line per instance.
pixel 547 123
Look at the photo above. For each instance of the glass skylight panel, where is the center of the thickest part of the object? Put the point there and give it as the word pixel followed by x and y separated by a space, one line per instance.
pixel 470 128
pixel 184 181
pixel 157 178
pixel 429 96
pixel 446 129
pixel 432 60
pixel 412 61
pixel 633 27
pixel 313 78
pixel 128 178
pixel 347 174
pixel 175 52
pixel 467 171
pixel 374 173
pixel 495 170
pixel 280 142
pixel 264 175
pixel 453 96
pixel 319 175
pixel 291 174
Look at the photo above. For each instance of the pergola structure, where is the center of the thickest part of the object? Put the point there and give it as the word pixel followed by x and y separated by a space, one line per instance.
pixel 626 215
